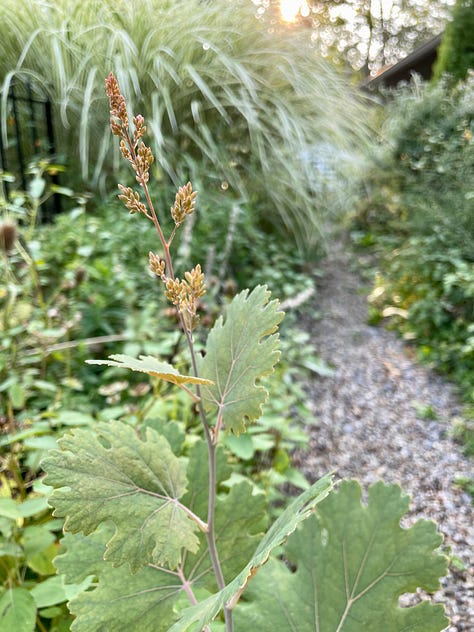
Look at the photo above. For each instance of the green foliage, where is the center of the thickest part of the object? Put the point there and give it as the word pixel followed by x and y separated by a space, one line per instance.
pixel 427 294
pixel 148 590
pixel 421 178
pixel 233 103
pixel 31 592
pixel 456 53
pixel 18 610
pixel 195 618
pixel 462 430
pixel 161 526
pixel 151 366
pixel 352 564
pixel 417 210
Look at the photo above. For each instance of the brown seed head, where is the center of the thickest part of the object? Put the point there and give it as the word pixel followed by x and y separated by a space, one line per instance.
pixel 196 285
pixel 143 162
pixel 140 128
pixel 131 199
pixel 8 234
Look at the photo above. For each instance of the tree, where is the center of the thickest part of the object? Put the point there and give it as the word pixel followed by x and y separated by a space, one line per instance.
pixel 366 35
pixel 456 53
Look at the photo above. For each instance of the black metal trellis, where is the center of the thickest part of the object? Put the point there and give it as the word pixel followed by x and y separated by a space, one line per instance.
pixel 30 136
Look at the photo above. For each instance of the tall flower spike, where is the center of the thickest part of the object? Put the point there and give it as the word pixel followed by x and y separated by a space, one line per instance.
pixel 184 204
pixel 118 108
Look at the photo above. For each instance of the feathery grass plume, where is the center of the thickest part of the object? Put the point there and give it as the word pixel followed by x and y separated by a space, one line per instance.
pixel 237 99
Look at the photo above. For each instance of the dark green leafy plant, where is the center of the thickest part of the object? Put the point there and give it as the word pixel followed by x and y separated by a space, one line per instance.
pixel 417 211
pixel 149 515
pixel 33 596
pixel 456 54
pixel 32 314
pixel 380 562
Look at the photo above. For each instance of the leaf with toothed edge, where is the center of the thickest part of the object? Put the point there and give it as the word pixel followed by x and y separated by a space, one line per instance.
pixel 241 348
pixel 111 474
pixel 351 563
pixel 152 366
pixel 196 617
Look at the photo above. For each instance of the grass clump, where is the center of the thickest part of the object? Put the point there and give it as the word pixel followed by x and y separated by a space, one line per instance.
pixel 238 104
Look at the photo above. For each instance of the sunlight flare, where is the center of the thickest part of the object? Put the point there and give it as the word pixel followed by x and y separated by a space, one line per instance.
pixel 289 9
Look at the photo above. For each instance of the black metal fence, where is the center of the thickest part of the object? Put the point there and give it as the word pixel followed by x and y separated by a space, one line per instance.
pixel 29 137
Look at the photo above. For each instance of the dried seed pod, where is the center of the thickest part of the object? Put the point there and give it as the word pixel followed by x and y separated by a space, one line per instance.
pixel 8 235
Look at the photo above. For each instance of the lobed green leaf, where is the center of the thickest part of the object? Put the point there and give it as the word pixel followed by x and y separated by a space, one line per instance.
pixel 196 617
pixel 152 366
pixel 111 474
pixel 352 564
pixel 241 348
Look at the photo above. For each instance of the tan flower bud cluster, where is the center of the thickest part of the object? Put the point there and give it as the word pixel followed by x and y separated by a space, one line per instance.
pixel 140 128
pixel 118 108
pixel 131 199
pixel 125 151
pixel 132 149
pixel 157 265
pixel 143 162
pixel 185 294
pixel 184 204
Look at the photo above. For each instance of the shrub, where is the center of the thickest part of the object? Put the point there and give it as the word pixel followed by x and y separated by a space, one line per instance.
pixel 421 179
pixel 456 53
pixel 419 208
pixel 427 292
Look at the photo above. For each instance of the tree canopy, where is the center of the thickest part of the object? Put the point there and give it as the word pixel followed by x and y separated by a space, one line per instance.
pixel 366 35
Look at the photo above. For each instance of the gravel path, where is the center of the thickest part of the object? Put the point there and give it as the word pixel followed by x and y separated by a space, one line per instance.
pixel 368 425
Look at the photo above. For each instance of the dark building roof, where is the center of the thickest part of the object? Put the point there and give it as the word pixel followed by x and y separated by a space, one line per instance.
pixel 419 62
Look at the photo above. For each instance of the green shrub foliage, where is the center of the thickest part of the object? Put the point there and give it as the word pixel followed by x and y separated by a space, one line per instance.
pixel 456 53
pixel 419 204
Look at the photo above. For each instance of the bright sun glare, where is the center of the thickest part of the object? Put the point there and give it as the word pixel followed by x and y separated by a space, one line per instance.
pixel 289 9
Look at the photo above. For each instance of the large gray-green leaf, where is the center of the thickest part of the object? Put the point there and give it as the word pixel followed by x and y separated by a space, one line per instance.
pixel 110 474
pixel 240 521
pixel 241 348
pixel 196 617
pixel 352 564
pixel 82 556
pixel 152 594
pixel 120 601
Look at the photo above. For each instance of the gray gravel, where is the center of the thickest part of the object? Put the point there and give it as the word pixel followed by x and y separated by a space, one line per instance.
pixel 368 425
